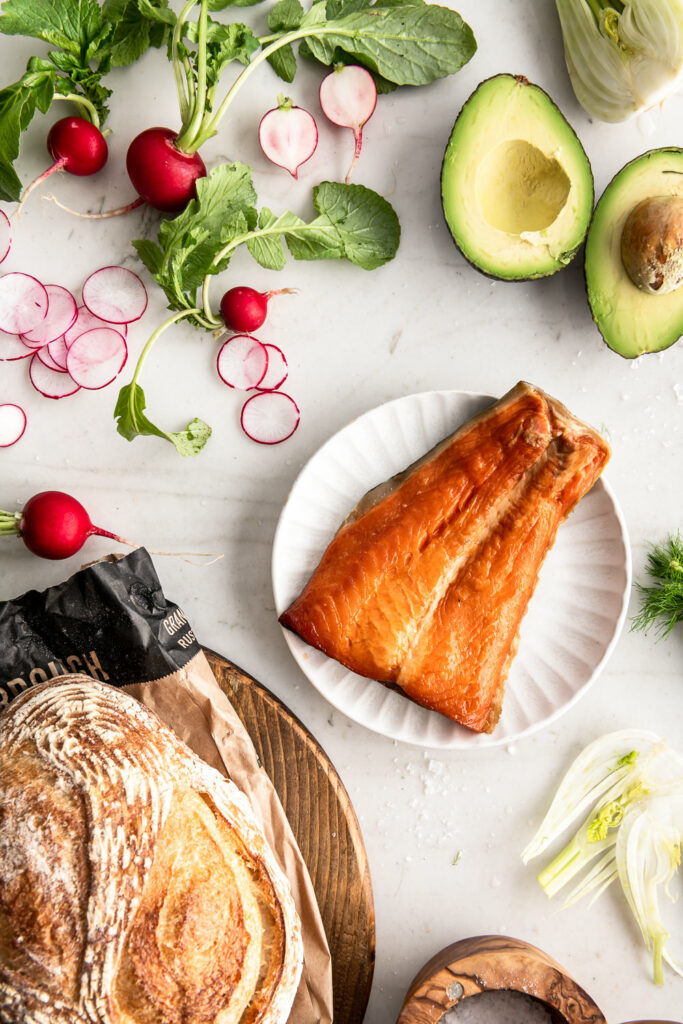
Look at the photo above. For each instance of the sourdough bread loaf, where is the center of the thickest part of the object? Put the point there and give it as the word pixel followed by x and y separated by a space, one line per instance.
pixel 135 884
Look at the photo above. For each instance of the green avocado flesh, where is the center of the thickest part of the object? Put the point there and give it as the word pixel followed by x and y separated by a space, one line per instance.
pixel 516 185
pixel 630 320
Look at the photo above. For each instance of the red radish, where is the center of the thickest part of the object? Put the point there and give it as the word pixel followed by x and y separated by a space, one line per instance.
pixel 12 424
pixel 50 383
pixel 61 314
pixel 77 146
pixel 115 294
pixel 23 303
pixel 270 417
pixel 12 347
pixel 58 351
pixel 277 371
pixel 5 235
pixel 46 359
pixel 244 309
pixel 53 525
pixel 96 358
pixel 161 174
pixel 242 362
pixel 288 135
pixel 348 96
pixel 87 321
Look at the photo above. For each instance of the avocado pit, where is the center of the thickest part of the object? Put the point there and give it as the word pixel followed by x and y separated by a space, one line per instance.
pixel 652 244
pixel 520 189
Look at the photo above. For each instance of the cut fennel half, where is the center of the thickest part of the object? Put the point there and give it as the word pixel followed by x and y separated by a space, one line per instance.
pixel 648 854
pixel 633 784
pixel 622 57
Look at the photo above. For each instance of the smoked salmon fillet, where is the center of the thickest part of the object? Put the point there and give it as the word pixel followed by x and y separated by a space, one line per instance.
pixel 426 582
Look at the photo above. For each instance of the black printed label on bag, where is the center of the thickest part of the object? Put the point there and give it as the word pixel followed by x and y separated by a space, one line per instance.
pixel 110 621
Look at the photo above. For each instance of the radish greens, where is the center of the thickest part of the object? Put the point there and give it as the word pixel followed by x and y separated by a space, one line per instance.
pixel 352 223
pixel 400 43
pixel 88 40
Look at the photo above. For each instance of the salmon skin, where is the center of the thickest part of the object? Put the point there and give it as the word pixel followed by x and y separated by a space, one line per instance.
pixel 427 580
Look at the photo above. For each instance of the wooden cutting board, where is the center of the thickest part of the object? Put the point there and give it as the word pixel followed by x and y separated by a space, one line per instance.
pixel 326 829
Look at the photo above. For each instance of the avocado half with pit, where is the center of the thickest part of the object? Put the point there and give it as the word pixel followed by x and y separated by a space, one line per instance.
pixel 638 223
pixel 516 184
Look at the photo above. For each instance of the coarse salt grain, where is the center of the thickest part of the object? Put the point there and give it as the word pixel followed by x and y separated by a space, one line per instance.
pixel 497 1008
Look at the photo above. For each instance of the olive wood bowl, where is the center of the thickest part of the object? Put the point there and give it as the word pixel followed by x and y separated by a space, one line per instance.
pixel 493 962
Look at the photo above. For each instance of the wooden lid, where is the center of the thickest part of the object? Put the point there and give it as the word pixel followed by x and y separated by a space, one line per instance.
pixel 496 962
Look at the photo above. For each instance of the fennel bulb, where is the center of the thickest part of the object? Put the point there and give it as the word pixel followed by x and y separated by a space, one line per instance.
pixel 633 784
pixel 622 57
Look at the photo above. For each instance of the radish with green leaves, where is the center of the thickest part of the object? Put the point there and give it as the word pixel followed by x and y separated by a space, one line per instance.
pixel 244 309
pixel 348 97
pixel 77 146
pixel 288 135
pixel 352 223
pixel 162 174
pixel 86 39
pixel 404 44
pixel 53 525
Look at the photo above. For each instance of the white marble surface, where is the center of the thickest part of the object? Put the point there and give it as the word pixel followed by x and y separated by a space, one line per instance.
pixel 353 340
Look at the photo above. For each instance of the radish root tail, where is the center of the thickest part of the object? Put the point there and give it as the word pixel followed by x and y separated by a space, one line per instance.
pixel 135 205
pixel 358 136
pixel 57 166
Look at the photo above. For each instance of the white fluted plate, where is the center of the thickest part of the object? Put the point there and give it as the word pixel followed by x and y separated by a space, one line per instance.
pixel 574 617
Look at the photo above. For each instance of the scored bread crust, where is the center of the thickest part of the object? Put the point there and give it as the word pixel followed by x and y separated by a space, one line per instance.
pixel 135 884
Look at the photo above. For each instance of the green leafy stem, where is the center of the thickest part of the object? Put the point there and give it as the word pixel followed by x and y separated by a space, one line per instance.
pixel 88 39
pixel 353 223
pixel 402 42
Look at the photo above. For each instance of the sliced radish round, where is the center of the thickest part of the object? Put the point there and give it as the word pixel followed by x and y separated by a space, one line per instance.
pixel 115 294
pixel 87 321
pixel 277 371
pixel 51 383
pixel 47 360
pixel 288 135
pixel 23 303
pixel 61 314
pixel 12 347
pixel 96 358
pixel 5 235
pixel 242 362
pixel 12 424
pixel 270 417
pixel 58 351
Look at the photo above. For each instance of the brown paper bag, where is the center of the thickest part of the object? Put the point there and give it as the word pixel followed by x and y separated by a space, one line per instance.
pixel 112 621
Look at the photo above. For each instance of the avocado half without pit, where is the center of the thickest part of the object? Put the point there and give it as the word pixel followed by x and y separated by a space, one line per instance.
pixel 634 255
pixel 516 184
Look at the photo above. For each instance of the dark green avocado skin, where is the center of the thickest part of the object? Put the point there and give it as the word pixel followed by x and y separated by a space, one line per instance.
pixel 675 151
pixel 567 256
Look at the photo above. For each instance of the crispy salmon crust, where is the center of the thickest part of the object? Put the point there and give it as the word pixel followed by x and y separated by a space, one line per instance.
pixel 426 582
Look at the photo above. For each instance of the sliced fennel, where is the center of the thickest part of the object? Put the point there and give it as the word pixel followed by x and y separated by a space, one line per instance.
pixel 648 854
pixel 622 57
pixel 633 784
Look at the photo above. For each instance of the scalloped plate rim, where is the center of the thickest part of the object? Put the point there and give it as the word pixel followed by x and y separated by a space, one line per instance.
pixel 463 739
